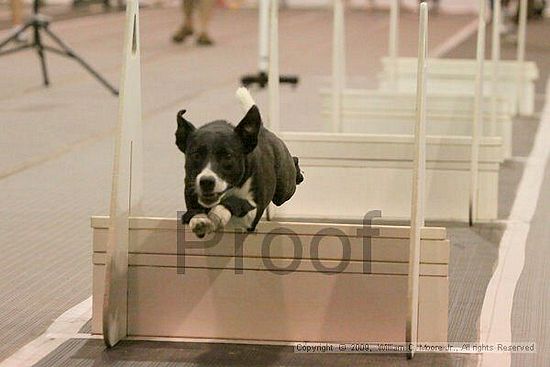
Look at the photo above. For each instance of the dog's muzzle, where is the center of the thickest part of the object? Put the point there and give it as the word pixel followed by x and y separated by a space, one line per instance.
pixel 209 200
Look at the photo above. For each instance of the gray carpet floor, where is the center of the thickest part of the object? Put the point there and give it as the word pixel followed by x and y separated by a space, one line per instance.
pixel 92 353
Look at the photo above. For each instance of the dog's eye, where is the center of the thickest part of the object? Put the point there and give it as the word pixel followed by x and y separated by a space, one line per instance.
pixel 224 156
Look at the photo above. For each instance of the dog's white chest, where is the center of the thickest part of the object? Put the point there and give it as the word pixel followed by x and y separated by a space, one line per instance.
pixel 244 192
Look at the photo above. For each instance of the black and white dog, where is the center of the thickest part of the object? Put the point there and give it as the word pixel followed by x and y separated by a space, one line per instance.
pixel 233 173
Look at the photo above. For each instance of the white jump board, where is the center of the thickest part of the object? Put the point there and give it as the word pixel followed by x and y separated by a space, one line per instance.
pixel 347 175
pixel 458 76
pixel 382 112
pixel 210 302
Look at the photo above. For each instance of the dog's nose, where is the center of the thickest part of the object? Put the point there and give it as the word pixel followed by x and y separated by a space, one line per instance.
pixel 207 184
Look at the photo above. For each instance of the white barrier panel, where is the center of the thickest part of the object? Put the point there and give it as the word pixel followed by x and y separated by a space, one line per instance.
pixel 349 174
pixel 381 112
pixel 211 302
pixel 456 76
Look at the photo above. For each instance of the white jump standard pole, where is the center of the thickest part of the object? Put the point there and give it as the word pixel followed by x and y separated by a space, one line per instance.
pixel 418 186
pixel 393 51
pixel 127 188
pixel 338 64
pixel 495 55
pixel 273 87
pixel 520 57
pixel 478 115
pixel 263 34
pixel 262 78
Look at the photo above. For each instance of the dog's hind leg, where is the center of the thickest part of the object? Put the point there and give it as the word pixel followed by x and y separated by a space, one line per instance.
pixel 254 218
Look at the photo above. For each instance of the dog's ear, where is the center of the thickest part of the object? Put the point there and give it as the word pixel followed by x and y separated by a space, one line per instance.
pixel 185 128
pixel 249 128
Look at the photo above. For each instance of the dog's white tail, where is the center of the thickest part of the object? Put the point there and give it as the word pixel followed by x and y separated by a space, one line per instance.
pixel 245 98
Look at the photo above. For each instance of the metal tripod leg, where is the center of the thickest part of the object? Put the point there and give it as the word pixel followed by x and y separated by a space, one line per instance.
pixel 41 55
pixel 15 49
pixel 13 37
pixel 67 51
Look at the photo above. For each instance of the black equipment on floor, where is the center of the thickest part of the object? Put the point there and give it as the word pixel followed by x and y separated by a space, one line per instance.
pixel 39 26
pixel 261 78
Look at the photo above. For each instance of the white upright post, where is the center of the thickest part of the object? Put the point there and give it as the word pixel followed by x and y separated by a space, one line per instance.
pixel 274 102
pixel 478 115
pixel 393 49
pixel 127 187
pixel 418 185
pixel 338 64
pixel 495 55
pixel 263 27
pixel 342 53
pixel 273 86
pixel 520 59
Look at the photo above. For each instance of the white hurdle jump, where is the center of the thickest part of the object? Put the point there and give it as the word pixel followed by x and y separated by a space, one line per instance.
pixel 388 110
pixel 514 79
pixel 127 188
pixel 418 183
pixel 381 112
pixel 369 296
pixel 375 152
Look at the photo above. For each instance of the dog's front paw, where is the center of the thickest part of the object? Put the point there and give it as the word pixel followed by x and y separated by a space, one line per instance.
pixel 201 225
